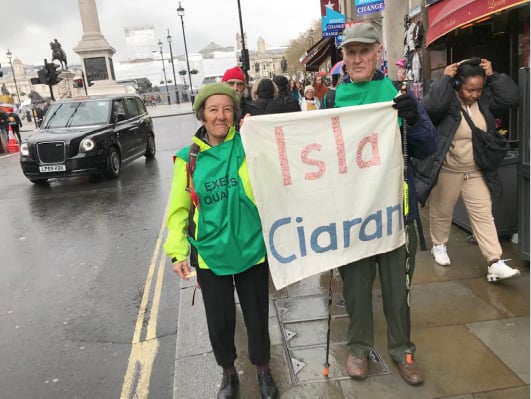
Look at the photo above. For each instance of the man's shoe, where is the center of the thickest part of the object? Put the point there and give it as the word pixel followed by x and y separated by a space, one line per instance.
pixel 268 388
pixel 500 271
pixel 411 372
pixel 357 367
pixel 440 255
pixel 229 386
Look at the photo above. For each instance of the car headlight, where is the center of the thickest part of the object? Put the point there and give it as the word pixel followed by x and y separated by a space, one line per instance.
pixel 24 149
pixel 87 145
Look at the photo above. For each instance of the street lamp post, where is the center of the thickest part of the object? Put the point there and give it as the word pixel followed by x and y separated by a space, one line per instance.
pixel 180 12
pixel 173 69
pixel 164 71
pixel 13 72
pixel 310 43
pixel 245 52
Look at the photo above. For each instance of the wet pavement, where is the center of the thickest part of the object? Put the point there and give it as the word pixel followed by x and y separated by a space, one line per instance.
pixel 472 336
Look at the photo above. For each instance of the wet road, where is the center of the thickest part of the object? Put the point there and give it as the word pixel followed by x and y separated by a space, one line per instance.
pixel 88 302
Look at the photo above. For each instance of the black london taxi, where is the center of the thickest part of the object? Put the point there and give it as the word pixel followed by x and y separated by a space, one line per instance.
pixel 86 136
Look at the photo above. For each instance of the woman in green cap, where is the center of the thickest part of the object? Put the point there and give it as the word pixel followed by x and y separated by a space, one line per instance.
pixel 212 208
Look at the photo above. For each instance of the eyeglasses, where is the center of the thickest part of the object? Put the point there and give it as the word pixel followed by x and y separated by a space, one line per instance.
pixel 236 83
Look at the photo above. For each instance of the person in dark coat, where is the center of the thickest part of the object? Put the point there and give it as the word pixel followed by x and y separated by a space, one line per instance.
pixel 38 115
pixel 264 91
pixel 16 124
pixel 470 87
pixel 4 126
pixel 284 102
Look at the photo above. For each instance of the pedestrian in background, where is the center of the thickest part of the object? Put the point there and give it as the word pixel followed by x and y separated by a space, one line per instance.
pixel 16 124
pixel 263 93
pixel 469 88
pixel 28 114
pixel 300 88
pixel 225 233
pixel 366 84
pixel 45 107
pixel 235 78
pixel 284 101
pixel 38 115
pixel 319 88
pixel 309 102
pixel 4 126
pixel 294 90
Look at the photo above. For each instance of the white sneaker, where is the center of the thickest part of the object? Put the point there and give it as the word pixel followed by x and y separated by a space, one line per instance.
pixel 440 255
pixel 500 271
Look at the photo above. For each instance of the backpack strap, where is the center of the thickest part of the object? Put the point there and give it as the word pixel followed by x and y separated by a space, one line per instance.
pixel 420 232
pixel 190 169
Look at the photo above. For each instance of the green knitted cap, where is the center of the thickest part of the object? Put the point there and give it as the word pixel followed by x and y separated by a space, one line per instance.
pixel 211 89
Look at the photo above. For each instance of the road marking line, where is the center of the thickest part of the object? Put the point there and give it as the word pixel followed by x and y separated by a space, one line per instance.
pixel 151 332
pixel 143 353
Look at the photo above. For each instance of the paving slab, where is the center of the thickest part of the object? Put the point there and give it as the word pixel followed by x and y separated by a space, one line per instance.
pixel 509 340
pixel 448 303
pixel 457 362
pixel 510 297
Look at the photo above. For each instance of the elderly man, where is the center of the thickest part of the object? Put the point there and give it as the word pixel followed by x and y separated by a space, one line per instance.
pixel 235 78
pixel 365 84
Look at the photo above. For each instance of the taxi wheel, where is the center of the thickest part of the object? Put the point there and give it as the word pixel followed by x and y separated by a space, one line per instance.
pixel 151 147
pixel 114 164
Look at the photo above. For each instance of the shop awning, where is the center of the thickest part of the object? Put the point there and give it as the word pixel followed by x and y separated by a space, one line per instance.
pixel 447 15
pixel 318 53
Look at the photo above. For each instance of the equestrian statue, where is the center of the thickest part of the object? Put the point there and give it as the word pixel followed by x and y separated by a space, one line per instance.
pixel 58 54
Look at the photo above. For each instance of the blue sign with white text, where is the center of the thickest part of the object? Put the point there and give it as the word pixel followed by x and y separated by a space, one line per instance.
pixel 368 6
pixel 332 23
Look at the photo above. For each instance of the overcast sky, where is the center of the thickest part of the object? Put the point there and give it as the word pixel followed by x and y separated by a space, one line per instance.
pixel 30 25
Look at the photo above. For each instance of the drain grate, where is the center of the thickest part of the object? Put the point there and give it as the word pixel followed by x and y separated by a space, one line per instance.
pixel 304 323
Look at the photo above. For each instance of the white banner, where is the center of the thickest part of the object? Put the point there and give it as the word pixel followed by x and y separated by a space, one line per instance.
pixel 328 186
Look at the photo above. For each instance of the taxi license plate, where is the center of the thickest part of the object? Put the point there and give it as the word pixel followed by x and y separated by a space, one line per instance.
pixel 52 168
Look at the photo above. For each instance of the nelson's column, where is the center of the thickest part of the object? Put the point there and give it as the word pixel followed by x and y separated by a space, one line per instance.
pixel 95 52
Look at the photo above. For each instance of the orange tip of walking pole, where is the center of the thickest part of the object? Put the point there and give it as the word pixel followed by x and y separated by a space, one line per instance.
pixel 409 358
pixel 325 371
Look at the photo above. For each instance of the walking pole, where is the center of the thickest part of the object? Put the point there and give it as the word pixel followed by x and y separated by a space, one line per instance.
pixel 403 90
pixel 327 364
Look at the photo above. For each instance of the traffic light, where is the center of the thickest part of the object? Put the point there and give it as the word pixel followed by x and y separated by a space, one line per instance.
pixel 48 74
pixel 42 76
pixel 244 59
pixel 51 77
pixel 78 83
pixel 52 74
